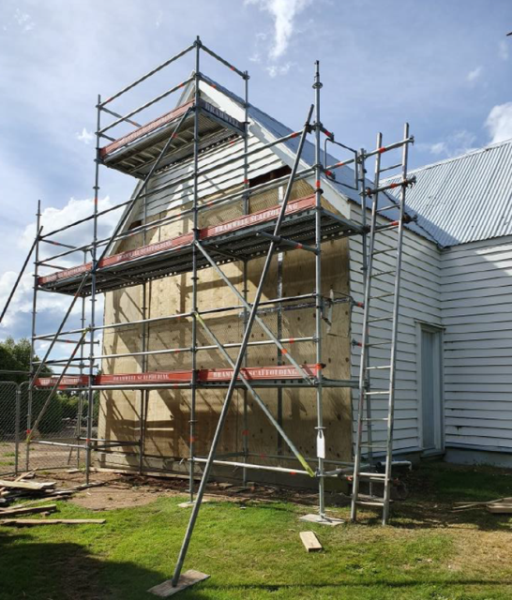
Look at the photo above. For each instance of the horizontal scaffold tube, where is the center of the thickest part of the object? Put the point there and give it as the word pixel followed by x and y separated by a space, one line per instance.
pixel 144 106
pixel 366 155
pixel 201 348
pixel 147 75
pixel 186 178
pixel 244 465
pixel 209 311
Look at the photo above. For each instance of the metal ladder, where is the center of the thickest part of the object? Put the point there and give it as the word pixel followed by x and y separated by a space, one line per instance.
pixel 377 378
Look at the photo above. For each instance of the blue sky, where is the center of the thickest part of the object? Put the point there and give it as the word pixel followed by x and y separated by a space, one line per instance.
pixel 445 66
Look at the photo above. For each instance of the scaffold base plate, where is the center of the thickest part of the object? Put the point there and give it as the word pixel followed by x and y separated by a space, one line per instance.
pixel 189 504
pixel 329 521
pixel 187 579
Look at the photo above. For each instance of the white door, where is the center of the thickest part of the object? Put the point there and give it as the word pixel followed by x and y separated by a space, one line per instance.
pixel 431 388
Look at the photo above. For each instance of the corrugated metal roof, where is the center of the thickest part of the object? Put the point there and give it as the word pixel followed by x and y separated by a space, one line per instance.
pixel 459 200
pixel 467 198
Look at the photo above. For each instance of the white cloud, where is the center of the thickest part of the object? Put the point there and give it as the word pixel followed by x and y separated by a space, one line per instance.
pixel 438 148
pixel 460 142
pixel 499 122
pixel 504 50
pixel 275 70
pixel 85 136
pixel 284 13
pixel 51 308
pixel 474 75
pixel 74 210
pixel 24 20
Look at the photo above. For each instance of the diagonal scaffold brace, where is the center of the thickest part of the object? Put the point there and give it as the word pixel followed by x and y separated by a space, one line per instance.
pixel 178 581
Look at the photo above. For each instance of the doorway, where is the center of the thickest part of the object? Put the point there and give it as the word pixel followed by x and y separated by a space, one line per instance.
pixel 431 390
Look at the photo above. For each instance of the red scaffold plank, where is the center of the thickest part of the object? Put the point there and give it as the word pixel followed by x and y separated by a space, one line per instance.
pixel 258 373
pixel 267 214
pixel 145 129
pixel 171 244
pixel 66 381
pixel 144 378
pixel 205 233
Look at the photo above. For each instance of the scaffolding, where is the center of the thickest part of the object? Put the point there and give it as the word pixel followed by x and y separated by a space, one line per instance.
pixel 303 224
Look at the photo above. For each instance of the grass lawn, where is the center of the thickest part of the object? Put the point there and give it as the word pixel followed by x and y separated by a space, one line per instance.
pixel 254 552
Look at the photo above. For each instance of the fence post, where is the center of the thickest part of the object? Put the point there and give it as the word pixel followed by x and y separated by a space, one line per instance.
pixel 17 430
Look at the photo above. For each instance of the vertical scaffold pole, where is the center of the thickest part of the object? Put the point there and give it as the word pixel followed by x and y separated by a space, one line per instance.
pixel 318 295
pixel 144 394
pixel 80 407
pixel 193 392
pixel 280 360
pixel 33 335
pixel 245 291
pixel 239 362
pixel 90 391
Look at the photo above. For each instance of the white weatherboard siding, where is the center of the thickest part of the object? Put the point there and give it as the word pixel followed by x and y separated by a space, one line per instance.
pixel 420 302
pixel 477 313
pixel 177 179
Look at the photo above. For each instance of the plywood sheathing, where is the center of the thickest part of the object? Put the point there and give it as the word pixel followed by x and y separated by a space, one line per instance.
pixel 167 429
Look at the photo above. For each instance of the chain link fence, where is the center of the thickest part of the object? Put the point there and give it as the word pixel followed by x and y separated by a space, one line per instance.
pixel 56 426
pixel 10 419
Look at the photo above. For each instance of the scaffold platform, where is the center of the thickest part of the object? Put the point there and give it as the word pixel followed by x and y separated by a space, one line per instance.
pixel 205 378
pixel 243 238
pixel 135 152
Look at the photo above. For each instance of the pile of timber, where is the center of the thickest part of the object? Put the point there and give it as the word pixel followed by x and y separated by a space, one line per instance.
pixel 501 506
pixel 23 488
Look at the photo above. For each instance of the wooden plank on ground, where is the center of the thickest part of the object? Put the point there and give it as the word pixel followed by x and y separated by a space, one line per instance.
pixel 166 589
pixel 33 486
pixel 36 522
pixel 23 510
pixel 310 541
pixel 500 508
pixel 45 498
pixel 28 475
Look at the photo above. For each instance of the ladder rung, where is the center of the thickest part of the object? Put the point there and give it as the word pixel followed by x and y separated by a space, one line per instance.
pixel 379 367
pixel 381 296
pixel 371 445
pixel 376 475
pixel 392 225
pixel 385 208
pixel 390 168
pixel 371 419
pixel 377 393
pixel 383 251
pixel 381 273
pixel 378 344
pixel 378 503
pixel 380 319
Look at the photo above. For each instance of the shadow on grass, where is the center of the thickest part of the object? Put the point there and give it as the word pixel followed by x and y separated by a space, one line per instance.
pixel 435 487
pixel 65 571
pixel 214 589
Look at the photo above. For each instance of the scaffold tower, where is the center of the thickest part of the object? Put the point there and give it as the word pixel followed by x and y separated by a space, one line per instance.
pixel 302 224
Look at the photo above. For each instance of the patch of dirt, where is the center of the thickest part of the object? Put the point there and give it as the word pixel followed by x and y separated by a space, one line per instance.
pixel 120 490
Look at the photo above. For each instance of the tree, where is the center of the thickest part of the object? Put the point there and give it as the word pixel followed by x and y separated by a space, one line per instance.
pixel 15 356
